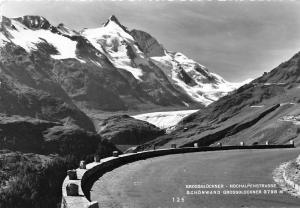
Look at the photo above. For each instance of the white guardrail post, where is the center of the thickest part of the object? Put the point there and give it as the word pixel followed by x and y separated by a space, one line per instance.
pixel 97 158
pixel 82 164
pixel 115 153
pixel 173 146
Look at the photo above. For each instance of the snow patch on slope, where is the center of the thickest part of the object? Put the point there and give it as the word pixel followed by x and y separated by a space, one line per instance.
pixel 165 119
pixel 113 41
pixel 27 39
pixel 257 106
pixel 193 91
pixel 207 88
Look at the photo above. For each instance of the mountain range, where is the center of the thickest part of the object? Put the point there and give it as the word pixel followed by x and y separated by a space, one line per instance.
pixel 56 73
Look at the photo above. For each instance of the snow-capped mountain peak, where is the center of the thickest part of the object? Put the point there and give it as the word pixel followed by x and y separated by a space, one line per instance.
pixel 113 18
pixel 114 40
pixel 140 62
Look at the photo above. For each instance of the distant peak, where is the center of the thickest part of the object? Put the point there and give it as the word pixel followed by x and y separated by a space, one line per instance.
pixel 34 22
pixel 114 19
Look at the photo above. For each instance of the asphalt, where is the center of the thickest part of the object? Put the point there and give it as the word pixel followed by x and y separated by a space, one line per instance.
pixel 161 182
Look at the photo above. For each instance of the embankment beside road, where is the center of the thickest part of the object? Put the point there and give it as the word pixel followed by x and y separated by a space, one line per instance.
pixel 291 176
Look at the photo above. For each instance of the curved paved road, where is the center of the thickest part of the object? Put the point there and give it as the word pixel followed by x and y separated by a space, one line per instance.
pixel 157 182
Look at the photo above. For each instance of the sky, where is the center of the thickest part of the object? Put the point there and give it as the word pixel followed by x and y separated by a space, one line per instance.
pixel 237 40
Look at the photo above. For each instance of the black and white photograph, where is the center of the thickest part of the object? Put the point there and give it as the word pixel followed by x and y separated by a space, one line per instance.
pixel 149 104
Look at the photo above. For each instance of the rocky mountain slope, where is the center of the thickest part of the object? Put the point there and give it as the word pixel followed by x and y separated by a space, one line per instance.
pixel 45 137
pixel 125 131
pixel 55 73
pixel 267 109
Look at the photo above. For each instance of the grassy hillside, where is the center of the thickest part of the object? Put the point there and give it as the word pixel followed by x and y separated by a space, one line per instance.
pixel 267 109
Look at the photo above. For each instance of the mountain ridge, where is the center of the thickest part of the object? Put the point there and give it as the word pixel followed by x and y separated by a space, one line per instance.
pixel 144 72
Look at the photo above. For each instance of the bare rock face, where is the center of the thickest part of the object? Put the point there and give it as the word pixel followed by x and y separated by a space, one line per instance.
pixel 149 45
pixel 25 97
pixel 34 22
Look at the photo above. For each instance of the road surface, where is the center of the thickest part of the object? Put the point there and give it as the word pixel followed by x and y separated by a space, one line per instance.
pixel 161 182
